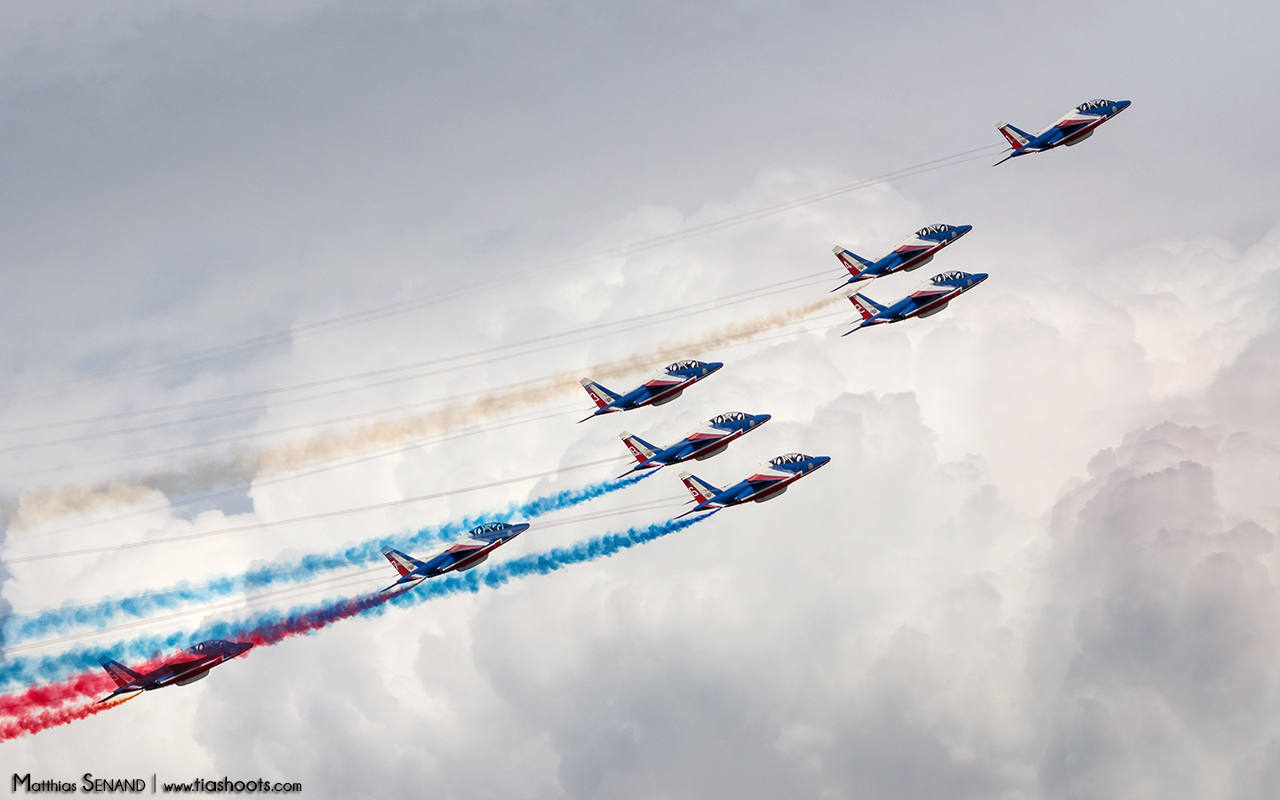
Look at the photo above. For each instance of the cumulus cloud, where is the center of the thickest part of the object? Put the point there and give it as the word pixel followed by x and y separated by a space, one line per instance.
pixel 1040 563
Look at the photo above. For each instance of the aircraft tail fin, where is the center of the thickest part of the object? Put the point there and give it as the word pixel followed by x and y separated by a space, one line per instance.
pixel 866 307
pixel 853 262
pixel 404 564
pixel 642 450
pixel 1016 137
pixel 119 672
pixel 601 395
pixel 700 489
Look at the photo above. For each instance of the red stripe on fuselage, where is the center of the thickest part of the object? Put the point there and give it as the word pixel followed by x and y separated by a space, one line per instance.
pixel 471 559
pixel 672 390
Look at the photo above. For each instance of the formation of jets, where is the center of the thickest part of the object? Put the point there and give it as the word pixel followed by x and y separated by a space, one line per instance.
pixel 713 437
pixel 919 249
pixel 194 664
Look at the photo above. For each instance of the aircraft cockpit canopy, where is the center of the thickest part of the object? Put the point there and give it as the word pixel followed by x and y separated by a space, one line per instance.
pixel 790 458
pixel 729 416
pixel 489 527
pixel 943 277
pixel 1092 104
pixel 686 364
pixel 212 647
pixel 939 228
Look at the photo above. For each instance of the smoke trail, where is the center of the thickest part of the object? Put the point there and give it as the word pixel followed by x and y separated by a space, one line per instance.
pixel 337 444
pixel 272 626
pixel 30 710
pixel 36 722
pixel 17 629
pixel 88 684
pixel 39 506
pixel 201 474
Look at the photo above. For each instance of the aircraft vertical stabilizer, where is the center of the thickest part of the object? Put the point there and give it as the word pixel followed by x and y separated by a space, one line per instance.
pixel 404 564
pixel 642 450
pixel 866 307
pixel 1016 137
pixel 119 672
pixel 853 262
pixel 599 394
pixel 700 489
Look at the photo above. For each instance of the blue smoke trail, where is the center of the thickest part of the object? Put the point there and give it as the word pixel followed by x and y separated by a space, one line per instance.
pixel 29 627
pixel 29 670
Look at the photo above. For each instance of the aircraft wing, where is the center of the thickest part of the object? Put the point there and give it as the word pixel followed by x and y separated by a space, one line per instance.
pixel 682 450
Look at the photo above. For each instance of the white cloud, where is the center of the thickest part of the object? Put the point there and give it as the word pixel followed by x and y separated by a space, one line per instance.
pixel 1041 561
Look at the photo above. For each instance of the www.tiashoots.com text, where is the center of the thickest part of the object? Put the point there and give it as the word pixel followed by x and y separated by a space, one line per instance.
pixel 88 783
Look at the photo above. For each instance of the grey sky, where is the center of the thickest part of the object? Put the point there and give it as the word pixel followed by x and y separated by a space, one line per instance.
pixel 1040 564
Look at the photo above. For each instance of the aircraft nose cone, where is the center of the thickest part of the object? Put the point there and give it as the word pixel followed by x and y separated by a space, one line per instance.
pixel 1123 104
pixel 516 530
pixel 243 647
pixel 763 418
pixel 961 230
pixel 978 278
pixel 712 367
pixel 821 461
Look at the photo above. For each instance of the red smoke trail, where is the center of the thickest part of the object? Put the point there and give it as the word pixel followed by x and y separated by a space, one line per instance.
pixel 34 723
pixel 86 684
pixel 42 707
pixel 308 622
pixel 28 703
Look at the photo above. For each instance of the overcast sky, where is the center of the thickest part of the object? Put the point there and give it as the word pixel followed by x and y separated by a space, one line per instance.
pixel 1039 565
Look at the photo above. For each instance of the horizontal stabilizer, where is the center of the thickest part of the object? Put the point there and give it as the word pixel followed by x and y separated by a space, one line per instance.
pixel 117 697
pixel 404 564
pixel 119 672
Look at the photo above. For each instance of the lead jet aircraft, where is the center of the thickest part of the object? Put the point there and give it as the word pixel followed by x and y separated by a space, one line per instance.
pixel 194 664
pixel 1071 129
pixel 926 300
pixel 917 250
pixel 469 551
pixel 708 439
pixel 663 387
pixel 767 482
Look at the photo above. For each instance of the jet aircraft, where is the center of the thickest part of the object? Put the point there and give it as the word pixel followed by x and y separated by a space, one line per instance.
pixel 469 551
pixel 195 663
pixel 926 300
pixel 767 482
pixel 705 441
pixel 1071 129
pixel 663 387
pixel 917 250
